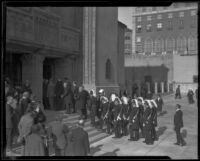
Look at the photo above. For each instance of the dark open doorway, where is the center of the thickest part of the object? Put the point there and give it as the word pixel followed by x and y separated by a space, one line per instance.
pixel 48 68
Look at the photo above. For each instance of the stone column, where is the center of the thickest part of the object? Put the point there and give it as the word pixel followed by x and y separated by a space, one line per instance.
pixel 89 48
pixel 32 70
pixel 148 87
pixel 156 88
pixel 162 87
pixel 168 87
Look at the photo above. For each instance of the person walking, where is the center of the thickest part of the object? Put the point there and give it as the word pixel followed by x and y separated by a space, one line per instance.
pixel 141 114
pixel 178 92
pixel 190 96
pixel 178 124
pixel 154 119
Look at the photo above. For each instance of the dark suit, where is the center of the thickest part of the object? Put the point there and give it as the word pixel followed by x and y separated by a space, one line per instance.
pixel 134 124
pixel 125 113
pixel 141 113
pixel 92 105
pixel 9 126
pixel 178 93
pixel 117 111
pixel 81 103
pixel 51 94
pixel 80 142
pixel 154 119
pixel 23 105
pixel 148 123
pixel 68 99
pixel 178 124
pixel 75 93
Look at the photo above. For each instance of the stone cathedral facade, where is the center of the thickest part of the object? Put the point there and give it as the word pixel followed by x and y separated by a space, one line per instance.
pixel 80 43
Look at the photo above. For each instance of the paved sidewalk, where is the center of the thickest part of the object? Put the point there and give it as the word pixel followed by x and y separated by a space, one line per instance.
pixel 165 145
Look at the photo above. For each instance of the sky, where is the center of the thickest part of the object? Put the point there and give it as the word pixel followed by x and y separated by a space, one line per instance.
pixel 124 16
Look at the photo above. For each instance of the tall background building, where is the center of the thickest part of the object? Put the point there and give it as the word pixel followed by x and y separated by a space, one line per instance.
pixel 165 47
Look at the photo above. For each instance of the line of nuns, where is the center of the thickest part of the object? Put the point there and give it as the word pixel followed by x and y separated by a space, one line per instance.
pixel 129 116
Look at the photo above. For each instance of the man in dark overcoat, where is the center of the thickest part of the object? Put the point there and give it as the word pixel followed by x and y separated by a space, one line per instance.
pixel 80 140
pixel 178 124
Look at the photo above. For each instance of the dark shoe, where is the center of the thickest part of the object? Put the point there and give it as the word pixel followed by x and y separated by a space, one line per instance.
pixel 176 143
pixel 183 144
pixel 149 143
pixel 144 141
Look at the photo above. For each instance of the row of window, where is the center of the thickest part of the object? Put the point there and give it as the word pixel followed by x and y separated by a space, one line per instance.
pixel 170 15
pixel 170 44
pixel 174 5
pixel 159 26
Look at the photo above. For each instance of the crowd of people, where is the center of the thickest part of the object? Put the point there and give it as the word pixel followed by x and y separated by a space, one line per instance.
pixel 122 115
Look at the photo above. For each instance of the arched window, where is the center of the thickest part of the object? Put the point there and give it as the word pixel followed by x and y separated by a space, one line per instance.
pixel 159 45
pixel 192 43
pixel 181 44
pixel 170 44
pixel 108 69
pixel 148 45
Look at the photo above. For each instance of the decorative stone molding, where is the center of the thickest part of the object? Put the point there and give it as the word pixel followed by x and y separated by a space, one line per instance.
pixel 32 59
pixel 89 46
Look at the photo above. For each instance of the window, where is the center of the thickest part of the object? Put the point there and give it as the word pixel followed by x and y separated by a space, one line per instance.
pixel 148 18
pixel 159 45
pixel 148 46
pixel 159 26
pixel 170 44
pixel 170 15
pixel 139 48
pixel 138 9
pixel 108 69
pixel 139 19
pixel 181 24
pixel 127 37
pixel 192 43
pixel 195 79
pixel 181 14
pixel 144 9
pixel 149 9
pixel 181 44
pixel 153 8
pixel 193 13
pixel 159 8
pixel 148 27
pixel 194 23
pixel 138 39
pixel 159 16
pixel 139 28
pixel 170 26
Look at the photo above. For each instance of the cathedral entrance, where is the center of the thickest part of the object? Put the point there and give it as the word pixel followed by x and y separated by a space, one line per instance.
pixel 48 68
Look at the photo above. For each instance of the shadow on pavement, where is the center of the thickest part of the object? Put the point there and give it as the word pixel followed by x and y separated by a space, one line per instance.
pixel 113 153
pixel 184 133
pixel 93 150
pixel 162 113
pixel 161 130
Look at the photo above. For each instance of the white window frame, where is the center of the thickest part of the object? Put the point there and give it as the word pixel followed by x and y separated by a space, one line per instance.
pixel 139 19
pixel 170 15
pixel 138 39
pixel 149 18
pixel 159 16
pixel 193 13
pixel 181 14
pixel 159 25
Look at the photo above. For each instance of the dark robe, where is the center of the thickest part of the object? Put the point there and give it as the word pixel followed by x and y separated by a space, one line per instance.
pixel 59 89
pixel 159 102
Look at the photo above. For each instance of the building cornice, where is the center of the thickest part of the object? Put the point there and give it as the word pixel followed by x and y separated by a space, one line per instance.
pixel 165 11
